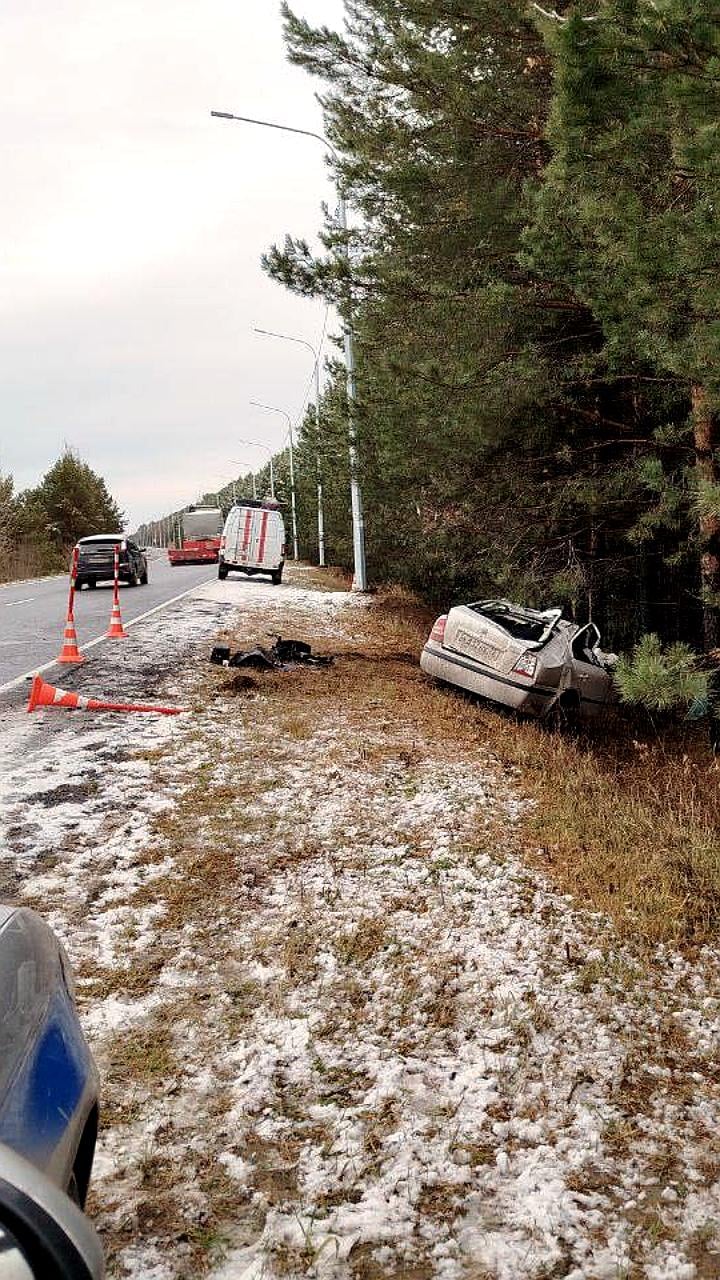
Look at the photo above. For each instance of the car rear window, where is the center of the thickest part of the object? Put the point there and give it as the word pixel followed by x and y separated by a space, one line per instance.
pixel 517 623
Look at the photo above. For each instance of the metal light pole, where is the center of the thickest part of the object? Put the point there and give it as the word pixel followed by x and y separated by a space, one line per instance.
pixel 270 408
pixel 268 333
pixel 256 444
pixel 358 519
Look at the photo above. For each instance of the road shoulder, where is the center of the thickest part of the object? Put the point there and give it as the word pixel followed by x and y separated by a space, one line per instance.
pixel 343 1029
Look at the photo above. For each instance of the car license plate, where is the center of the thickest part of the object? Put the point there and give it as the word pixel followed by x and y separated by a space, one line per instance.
pixel 476 647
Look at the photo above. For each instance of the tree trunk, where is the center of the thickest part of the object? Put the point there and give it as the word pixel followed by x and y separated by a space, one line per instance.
pixel 705 428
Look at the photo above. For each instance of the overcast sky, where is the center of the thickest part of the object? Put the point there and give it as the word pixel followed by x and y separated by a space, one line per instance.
pixel 131 229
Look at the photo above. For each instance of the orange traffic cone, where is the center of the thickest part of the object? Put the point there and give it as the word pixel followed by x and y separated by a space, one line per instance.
pixel 116 630
pixel 43 694
pixel 70 651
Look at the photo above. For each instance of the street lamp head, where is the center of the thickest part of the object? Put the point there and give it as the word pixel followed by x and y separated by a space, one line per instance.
pixel 286 337
pixel 271 408
pixel 284 128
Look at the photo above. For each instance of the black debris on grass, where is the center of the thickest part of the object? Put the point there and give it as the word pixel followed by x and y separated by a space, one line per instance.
pixel 282 655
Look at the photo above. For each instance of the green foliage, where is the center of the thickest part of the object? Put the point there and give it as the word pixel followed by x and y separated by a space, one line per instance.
pixel 661 679
pixel 707 497
pixel 38 527
pixel 71 502
pixel 530 276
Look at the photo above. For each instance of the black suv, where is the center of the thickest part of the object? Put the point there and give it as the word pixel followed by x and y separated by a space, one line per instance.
pixel 96 560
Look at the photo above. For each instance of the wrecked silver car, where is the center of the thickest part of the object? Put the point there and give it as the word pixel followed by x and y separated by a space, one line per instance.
pixel 535 662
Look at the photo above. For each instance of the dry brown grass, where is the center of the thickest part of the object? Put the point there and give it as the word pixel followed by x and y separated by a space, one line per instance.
pixel 627 816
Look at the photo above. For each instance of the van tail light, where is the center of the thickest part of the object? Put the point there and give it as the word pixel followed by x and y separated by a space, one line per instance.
pixel 526 664
pixel 438 632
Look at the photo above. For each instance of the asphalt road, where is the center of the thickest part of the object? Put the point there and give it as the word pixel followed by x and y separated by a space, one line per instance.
pixel 32 614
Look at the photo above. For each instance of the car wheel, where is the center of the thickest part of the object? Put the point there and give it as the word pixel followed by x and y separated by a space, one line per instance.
pixel 222 572
pixel 92 583
pixel 276 577
pixel 565 715
pixel 79 584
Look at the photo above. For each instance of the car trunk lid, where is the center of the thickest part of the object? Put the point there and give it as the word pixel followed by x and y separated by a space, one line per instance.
pixel 495 633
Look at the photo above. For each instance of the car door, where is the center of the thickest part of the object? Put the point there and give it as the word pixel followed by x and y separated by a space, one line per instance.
pixel 136 559
pixel 589 677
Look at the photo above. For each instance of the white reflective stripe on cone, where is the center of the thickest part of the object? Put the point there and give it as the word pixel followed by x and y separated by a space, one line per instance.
pixel 58 695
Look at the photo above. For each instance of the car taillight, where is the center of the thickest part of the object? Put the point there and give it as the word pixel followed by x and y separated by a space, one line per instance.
pixel 438 632
pixel 526 664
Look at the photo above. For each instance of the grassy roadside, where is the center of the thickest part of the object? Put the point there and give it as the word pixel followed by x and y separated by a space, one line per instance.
pixel 335 1017
pixel 627 816
pixel 18 563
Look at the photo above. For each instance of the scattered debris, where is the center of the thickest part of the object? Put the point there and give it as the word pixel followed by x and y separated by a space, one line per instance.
pixel 283 654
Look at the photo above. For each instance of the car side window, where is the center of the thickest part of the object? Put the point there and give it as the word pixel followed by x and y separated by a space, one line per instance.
pixel 583 645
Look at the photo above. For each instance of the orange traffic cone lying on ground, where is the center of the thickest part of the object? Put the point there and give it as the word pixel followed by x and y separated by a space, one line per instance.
pixel 47 695
pixel 70 651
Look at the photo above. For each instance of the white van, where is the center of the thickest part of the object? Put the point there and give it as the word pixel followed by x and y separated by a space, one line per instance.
pixel 253 540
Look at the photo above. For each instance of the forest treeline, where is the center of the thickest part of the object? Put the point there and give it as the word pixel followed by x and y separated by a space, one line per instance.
pixel 534 292
pixel 533 287
pixel 39 526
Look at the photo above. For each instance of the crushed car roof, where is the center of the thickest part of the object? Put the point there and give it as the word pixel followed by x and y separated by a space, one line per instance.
pixel 532 625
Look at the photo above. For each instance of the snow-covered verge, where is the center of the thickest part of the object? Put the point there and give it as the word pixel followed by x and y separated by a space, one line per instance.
pixel 343 1030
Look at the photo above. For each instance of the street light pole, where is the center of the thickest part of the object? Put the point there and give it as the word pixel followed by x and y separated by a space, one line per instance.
pixel 256 444
pixel 270 408
pixel 269 333
pixel 358 519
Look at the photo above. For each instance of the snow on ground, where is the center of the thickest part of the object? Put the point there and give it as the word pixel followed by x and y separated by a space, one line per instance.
pixel 343 1030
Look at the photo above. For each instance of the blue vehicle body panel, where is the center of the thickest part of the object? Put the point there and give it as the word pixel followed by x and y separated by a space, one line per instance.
pixel 48 1080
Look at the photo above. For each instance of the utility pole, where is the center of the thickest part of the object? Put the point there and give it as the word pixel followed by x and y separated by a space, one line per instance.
pixel 358 518
pixel 270 408
pixel 256 444
pixel 268 333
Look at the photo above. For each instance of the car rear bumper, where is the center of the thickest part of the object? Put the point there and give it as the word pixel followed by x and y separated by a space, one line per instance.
pixel 454 668
pixel 103 573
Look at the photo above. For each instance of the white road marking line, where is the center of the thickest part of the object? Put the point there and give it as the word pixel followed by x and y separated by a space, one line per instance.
pixel 90 644
pixel 12 603
pixel 32 582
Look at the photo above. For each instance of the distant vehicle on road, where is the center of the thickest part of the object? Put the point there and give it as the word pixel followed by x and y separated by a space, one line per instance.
pixel 202 527
pixel 535 662
pixel 253 540
pixel 96 560
pixel 48 1080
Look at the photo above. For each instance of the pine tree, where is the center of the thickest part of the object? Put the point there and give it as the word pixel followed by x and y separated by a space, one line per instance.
pixel 627 215
pixel 71 502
